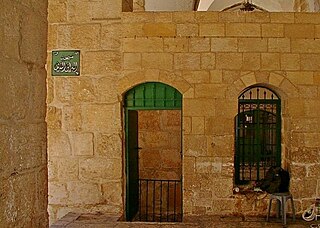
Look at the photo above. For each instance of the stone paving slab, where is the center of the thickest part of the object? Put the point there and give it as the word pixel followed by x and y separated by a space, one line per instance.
pixel 74 220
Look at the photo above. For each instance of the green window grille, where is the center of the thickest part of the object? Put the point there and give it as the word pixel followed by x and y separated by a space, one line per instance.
pixel 153 95
pixel 257 134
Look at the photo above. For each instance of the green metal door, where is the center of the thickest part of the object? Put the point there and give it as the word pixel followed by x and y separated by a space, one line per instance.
pixel 132 165
pixel 146 96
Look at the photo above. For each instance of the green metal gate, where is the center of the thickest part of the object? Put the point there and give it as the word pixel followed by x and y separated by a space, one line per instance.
pixel 258 134
pixel 147 96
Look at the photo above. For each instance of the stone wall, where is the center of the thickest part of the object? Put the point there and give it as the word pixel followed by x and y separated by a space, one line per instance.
pixel 160 140
pixel 23 161
pixel 210 58
pixel 84 124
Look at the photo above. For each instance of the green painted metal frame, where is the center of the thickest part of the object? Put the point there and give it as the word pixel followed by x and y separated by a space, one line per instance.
pixel 154 102
pixel 277 103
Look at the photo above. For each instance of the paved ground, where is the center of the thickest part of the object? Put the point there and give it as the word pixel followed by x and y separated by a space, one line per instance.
pixel 73 220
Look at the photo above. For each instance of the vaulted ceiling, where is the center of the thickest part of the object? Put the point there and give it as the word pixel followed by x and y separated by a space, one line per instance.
pixel 218 5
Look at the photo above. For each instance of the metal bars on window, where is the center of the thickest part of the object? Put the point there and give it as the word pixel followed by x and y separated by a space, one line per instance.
pixel 160 200
pixel 258 134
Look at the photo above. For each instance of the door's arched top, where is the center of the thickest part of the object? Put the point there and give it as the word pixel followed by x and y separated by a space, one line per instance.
pixel 153 95
pixel 259 92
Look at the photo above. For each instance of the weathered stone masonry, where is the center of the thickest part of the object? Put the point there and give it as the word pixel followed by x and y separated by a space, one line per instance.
pixel 23 160
pixel 210 58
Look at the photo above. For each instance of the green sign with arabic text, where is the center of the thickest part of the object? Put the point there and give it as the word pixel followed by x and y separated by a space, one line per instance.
pixel 66 63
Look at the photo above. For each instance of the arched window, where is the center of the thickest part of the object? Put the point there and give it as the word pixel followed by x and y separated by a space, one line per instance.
pixel 257 133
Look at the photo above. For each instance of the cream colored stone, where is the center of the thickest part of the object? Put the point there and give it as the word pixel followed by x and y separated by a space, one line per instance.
pixel 159 29
pixel 58 193
pixel 189 165
pixel 143 44
pixel 81 193
pixel 72 118
pixel 251 61
pixel 199 45
pixel 58 144
pixel 70 90
pixel 199 107
pixel 196 76
pixel 258 17
pixel 68 169
pixel 208 61
pixel 111 193
pixel 253 45
pixel 186 125
pixel 77 36
pixel 82 144
pixel 176 44
pixel 57 12
pixel 54 116
pixel 231 61
pixel 183 17
pixel 290 61
pixel 270 61
pixel 197 125
pixel 94 118
pixel 187 30
pixel 205 17
pixel 208 165
pixel 210 91
pixel 132 61
pixel 187 61
pixel 212 29
pixel 214 128
pixel 305 45
pixel 108 145
pixel 224 44
pixel 162 61
pixel 195 145
pixel 222 188
pixel 163 17
pixel 249 79
pixel 281 45
pixel 221 146
pixel 125 30
pixel 105 88
pixel 275 79
pixel 306 18
pixel 216 76
pixel 300 78
pixel 299 31
pixel 99 169
pixel 104 61
pixel 110 36
pixel 310 62
pixel 282 17
pixel 137 17
pixel 272 30
pixel 243 30
pixel 231 17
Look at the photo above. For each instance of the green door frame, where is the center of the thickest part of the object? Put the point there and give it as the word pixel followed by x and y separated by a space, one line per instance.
pixel 147 96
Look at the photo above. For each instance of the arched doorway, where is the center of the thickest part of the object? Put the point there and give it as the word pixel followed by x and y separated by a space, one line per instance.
pixel 153 153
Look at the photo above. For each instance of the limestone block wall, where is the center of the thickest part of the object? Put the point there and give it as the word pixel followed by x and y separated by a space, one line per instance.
pixel 84 113
pixel 160 140
pixel 23 161
pixel 210 58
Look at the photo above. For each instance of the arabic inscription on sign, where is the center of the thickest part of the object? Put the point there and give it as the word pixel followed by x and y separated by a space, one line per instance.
pixel 66 63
